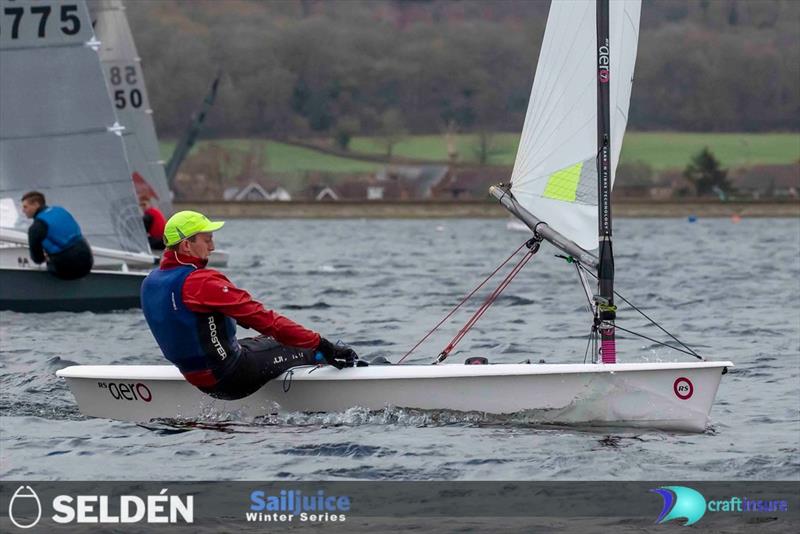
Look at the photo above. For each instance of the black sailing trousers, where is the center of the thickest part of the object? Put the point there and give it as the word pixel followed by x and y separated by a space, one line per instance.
pixel 72 263
pixel 262 359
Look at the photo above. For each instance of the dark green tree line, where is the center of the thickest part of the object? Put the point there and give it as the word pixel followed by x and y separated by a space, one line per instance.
pixel 339 68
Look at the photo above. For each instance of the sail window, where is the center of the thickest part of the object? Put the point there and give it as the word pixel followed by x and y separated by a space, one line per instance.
pixel 563 184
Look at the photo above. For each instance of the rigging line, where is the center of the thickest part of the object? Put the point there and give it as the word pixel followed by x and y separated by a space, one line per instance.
pixel 488 302
pixel 534 247
pixel 656 341
pixel 588 343
pixel 585 286
pixel 465 299
pixel 629 303
pixel 479 313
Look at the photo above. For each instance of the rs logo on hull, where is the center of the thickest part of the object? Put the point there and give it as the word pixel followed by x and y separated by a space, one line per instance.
pixel 683 388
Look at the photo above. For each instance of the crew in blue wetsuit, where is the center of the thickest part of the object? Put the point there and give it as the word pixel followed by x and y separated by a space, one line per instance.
pixel 56 238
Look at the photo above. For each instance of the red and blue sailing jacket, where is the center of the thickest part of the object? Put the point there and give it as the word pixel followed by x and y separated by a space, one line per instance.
pixel 192 312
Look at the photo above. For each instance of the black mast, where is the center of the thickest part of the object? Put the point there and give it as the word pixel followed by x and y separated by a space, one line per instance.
pixel 187 141
pixel 605 270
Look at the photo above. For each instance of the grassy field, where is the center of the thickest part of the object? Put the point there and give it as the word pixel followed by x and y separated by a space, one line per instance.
pixel 660 150
pixel 663 150
pixel 283 158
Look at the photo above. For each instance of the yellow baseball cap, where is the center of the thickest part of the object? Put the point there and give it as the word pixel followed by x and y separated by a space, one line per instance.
pixel 185 224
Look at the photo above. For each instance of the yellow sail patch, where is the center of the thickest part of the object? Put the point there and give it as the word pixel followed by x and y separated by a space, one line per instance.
pixel 563 184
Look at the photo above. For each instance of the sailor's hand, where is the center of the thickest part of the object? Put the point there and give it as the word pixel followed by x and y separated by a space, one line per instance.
pixel 340 356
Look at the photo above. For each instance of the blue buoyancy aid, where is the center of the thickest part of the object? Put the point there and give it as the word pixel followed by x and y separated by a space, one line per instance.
pixel 191 341
pixel 62 229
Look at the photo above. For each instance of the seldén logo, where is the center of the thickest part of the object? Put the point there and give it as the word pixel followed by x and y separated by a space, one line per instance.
pixel 25 509
pixel 24 500
pixel 681 503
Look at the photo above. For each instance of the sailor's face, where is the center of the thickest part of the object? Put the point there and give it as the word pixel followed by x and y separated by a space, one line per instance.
pixel 202 246
pixel 29 208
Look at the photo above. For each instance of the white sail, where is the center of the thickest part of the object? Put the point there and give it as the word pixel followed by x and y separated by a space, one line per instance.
pixel 58 131
pixel 123 71
pixel 555 173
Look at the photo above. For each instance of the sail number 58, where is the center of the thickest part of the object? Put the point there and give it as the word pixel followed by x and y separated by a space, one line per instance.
pixel 124 97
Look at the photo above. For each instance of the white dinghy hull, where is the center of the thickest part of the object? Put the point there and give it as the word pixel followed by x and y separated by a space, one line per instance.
pixel 669 396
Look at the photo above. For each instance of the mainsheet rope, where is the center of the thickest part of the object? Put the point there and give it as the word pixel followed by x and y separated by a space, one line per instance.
pixel 533 246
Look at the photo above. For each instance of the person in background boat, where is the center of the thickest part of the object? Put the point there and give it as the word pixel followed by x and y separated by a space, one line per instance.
pixel 56 238
pixel 154 223
pixel 192 312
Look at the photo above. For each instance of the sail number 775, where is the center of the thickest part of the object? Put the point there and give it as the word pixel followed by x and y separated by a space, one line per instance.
pixel 70 23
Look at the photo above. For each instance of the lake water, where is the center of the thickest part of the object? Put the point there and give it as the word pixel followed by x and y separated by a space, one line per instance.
pixel 731 290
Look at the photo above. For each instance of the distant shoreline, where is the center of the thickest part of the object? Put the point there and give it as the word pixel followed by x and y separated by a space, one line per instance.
pixel 477 209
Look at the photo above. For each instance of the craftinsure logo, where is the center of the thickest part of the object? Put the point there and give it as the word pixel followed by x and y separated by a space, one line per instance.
pixel 25 509
pixel 690 505
pixel 286 506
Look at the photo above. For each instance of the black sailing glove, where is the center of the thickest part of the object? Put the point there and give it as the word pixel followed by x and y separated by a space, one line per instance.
pixel 340 356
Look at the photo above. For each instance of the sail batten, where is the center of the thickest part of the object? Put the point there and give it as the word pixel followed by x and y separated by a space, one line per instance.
pixel 53 134
pixel 560 129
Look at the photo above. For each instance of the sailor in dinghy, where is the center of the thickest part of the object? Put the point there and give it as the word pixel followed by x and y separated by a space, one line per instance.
pixel 154 223
pixel 56 238
pixel 192 312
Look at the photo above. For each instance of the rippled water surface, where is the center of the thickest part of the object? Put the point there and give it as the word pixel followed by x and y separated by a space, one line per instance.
pixel 730 289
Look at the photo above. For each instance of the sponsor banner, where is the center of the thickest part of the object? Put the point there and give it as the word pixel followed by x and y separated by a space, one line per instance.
pixel 354 506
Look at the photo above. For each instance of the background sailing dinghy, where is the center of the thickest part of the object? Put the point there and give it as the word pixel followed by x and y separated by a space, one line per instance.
pixel 556 174
pixel 125 79
pixel 59 135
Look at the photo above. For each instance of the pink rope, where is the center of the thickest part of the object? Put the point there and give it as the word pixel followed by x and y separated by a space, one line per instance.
pixel 608 350
pixel 485 306
pixel 465 299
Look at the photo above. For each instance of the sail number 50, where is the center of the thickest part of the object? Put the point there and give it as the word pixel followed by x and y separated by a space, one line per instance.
pixel 70 23
pixel 123 97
